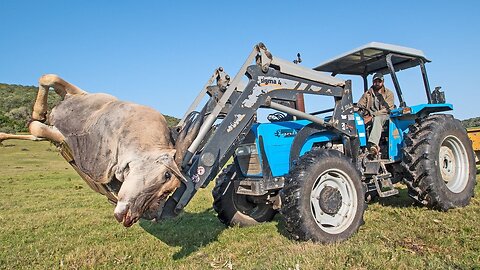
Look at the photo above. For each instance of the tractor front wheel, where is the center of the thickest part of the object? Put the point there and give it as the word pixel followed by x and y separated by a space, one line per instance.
pixel 323 198
pixel 237 209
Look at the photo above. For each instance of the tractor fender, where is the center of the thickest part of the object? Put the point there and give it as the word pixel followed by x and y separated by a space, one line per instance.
pixel 421 110
pixel 305 138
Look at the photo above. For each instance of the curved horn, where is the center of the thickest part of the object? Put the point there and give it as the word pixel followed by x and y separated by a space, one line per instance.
pixel 188 133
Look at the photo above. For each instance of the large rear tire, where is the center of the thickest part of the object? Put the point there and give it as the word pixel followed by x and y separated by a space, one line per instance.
pixel 323 198
pixel 237 209
pixel 439 163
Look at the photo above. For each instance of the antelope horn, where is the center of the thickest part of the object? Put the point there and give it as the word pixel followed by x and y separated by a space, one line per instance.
pixel 183 131
pixel 188 133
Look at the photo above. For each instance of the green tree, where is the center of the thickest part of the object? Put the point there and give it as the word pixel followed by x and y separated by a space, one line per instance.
pixel 471 122
pixel 20 113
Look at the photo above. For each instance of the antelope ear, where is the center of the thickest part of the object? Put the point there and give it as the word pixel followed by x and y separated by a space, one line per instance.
pixel 168 159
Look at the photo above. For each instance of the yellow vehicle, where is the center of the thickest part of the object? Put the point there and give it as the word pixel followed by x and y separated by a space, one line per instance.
pixel 474 135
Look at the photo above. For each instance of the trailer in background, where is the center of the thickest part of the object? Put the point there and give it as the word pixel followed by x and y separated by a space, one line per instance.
pixel 474 135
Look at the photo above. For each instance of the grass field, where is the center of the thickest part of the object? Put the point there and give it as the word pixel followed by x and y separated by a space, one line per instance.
pixel 49 218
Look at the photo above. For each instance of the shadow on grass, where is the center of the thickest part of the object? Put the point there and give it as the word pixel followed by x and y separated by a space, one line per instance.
pixel 7 145
pixel 281 226
pixel 401 200
pixel 190 231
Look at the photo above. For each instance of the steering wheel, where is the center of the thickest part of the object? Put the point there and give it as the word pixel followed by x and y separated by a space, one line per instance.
pixel 364 112
pixel 276 117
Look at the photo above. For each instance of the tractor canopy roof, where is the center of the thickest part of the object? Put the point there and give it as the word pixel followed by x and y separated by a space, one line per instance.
pixel 371 58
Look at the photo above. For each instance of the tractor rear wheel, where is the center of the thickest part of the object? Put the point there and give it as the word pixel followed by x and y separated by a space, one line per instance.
pixel 237 209
pixel 439 163
pixel 323 198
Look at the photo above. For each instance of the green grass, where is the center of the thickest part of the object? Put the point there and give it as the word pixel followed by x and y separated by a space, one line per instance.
pixel 49 218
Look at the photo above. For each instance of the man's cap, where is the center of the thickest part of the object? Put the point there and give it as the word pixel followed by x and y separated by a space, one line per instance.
pixel 377 76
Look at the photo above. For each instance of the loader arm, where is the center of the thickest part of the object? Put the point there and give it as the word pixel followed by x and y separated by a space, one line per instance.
pixel 268 85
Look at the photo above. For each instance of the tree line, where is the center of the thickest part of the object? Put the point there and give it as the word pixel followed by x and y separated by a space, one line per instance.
pixel 471 122
pixel 16 104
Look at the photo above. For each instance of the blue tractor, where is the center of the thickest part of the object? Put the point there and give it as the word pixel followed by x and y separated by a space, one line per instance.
pixel 314 168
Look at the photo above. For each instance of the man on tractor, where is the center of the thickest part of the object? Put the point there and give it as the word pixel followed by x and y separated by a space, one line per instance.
pixel 376 104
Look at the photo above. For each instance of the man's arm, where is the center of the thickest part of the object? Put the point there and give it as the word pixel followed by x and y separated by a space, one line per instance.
pixel 362 102
pixel 362 107
pixel 390 99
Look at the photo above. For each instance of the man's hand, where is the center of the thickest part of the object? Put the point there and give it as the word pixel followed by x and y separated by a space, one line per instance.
pixel 367 119
pixel 367 116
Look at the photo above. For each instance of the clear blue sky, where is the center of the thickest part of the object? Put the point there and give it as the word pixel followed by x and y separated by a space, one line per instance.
pixel 160 53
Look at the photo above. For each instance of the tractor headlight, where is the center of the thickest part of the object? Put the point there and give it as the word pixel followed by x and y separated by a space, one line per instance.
pixel 246 150
pixel 247 158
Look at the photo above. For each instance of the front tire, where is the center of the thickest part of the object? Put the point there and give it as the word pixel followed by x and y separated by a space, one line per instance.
pixel 237 209
pixel 323 198
pixel 439 163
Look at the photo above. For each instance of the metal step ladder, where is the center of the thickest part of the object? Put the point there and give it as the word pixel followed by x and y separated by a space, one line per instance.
pixel 381 177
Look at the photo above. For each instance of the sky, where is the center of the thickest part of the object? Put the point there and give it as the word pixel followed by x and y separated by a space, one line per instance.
pixel 161 53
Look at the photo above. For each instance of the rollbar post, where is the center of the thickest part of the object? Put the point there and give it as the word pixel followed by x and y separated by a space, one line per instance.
pixel 395 80
pixel 425 81
pixel 365 83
